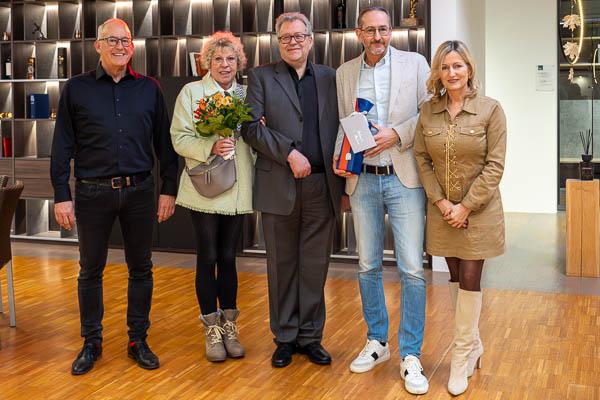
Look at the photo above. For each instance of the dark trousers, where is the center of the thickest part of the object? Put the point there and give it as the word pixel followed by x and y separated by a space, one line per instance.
pixel 298 250
pixel 96 208
pixel 217 236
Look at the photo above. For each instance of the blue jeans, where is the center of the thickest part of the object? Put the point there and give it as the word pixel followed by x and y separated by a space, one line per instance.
pixel 374 195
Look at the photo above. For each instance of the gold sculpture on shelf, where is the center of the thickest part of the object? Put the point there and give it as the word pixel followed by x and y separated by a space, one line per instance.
pixel 6 115
pixel 412 20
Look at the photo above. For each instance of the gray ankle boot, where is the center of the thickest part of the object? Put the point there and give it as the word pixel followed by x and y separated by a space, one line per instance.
pixel 231 336
pixel 215 351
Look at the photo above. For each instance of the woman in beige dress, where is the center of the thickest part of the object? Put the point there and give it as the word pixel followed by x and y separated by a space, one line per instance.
pixel 460 145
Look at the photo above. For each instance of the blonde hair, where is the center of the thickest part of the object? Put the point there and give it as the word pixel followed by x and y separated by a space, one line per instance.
pixel 220 40
pixel 434 83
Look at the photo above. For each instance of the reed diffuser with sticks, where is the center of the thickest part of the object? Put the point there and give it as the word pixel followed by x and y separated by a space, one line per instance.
pixel 586 167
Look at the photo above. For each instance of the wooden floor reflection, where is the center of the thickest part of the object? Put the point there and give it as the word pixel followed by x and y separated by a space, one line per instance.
pixel 537 345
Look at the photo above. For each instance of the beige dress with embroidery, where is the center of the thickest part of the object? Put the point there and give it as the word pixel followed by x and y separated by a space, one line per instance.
pixel 462 160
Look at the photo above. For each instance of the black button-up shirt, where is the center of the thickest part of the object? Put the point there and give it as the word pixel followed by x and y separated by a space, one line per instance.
pixel 306 88
pixel 110 129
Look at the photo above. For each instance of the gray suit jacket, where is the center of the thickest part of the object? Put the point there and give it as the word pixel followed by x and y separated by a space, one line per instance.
pixel 271 93
pixel 407 92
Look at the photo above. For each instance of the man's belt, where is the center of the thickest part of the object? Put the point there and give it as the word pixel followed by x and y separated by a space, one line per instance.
pixel 118 182
pixel 374 169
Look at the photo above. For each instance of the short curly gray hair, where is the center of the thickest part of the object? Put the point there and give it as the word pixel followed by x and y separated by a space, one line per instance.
pixel 220 40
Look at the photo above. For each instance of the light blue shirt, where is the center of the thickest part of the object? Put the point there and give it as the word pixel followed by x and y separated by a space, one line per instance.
pixel 374 85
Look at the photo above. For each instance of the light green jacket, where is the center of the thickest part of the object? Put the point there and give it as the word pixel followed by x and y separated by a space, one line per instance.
pixel 196 149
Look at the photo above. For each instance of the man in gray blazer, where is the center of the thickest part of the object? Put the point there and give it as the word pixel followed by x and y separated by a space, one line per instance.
pixel 294 188
pixel 395 82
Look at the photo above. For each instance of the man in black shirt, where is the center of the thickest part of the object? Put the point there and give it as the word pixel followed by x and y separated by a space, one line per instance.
pixel 110 121
pixel 294 187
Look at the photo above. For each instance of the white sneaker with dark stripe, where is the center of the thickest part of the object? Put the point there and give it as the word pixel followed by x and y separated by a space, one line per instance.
pixel 372 354
pixel 412 373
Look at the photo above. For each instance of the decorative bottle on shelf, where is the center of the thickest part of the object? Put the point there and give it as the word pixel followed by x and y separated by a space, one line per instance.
pixel 62 63
pixel 6 146
pixel 8 68
pixel 586 168
pixel 31 68
pixel 340 15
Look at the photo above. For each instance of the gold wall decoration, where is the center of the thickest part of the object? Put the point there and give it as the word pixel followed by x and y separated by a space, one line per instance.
pixel 573 22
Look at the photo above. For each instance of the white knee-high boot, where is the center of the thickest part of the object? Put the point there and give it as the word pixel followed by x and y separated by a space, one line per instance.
pixel 466 320
pixel 477 352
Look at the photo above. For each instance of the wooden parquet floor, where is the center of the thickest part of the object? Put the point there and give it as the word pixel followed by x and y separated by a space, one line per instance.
pixel 537 345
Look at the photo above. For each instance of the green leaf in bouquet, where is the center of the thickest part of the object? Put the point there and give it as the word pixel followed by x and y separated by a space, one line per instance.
pixel 224 132
pixel 203 129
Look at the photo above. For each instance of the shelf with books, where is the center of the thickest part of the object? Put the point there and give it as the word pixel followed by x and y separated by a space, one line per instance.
pixel 168 34
pixel 22 99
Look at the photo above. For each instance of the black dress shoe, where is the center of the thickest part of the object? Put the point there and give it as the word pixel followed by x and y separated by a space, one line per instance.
pixel 141 353
pixel 282 357
pixel 84 362
pixel 316 353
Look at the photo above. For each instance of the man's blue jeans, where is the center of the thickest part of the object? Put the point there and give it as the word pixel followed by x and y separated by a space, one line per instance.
pixel 374 195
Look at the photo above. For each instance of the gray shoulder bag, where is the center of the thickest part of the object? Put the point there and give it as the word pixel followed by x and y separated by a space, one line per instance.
pixel 210 180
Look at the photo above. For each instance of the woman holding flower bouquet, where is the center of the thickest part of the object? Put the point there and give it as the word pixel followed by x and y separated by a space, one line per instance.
pixel 204 132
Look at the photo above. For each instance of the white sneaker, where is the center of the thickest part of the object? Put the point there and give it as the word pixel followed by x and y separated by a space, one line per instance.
pixel 412 373
pixel 372 354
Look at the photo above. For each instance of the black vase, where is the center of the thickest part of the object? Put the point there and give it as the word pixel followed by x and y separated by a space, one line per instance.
pixel 586 168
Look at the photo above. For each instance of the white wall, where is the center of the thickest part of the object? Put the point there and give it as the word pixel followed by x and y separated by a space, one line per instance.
pixel 443 22
pixel 508 40
pixel 470 28
pixel 513 51
pixel 460 20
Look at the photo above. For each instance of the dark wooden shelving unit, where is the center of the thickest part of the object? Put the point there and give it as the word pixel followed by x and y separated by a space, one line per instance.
pixel 165 33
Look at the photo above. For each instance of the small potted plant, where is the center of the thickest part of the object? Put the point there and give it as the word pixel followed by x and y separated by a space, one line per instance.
pixel 586 167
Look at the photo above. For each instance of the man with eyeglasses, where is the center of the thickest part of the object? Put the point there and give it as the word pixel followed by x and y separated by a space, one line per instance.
pixel 297 195
pixel 394 81
pixel 110 121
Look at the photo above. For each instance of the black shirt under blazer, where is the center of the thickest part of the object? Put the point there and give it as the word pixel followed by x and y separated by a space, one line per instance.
pixel 272 94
